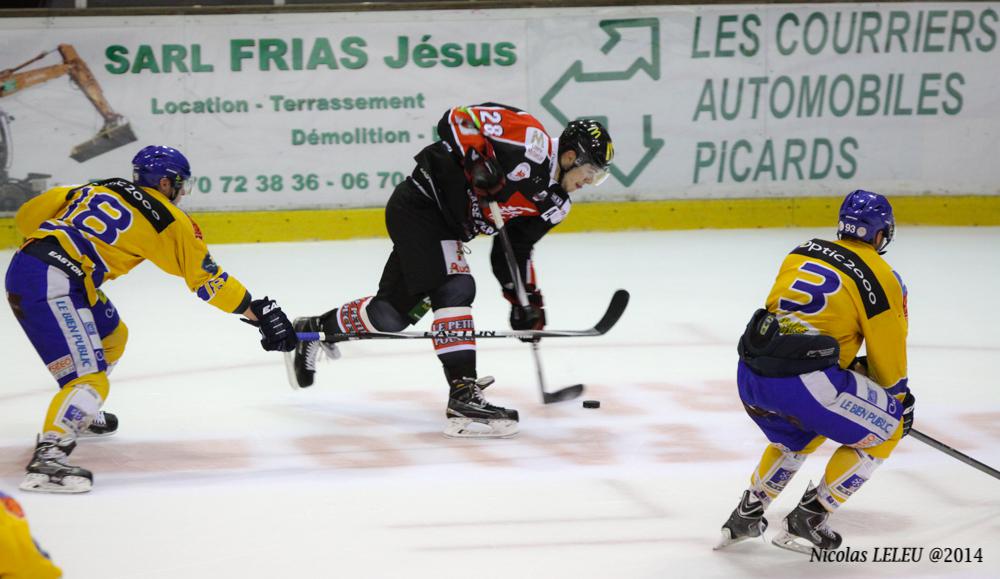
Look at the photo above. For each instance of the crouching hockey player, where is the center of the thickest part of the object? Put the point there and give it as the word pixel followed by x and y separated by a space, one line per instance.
pixel 801 383
pixel 76 239
pixel 486 153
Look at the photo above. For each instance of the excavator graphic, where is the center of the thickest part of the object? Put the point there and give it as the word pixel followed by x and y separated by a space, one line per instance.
pixel 115 132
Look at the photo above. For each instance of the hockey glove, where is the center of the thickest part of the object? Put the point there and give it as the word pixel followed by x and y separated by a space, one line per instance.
pixel 276 332
pixel 484 174
pixel 531 317
pixel 908 402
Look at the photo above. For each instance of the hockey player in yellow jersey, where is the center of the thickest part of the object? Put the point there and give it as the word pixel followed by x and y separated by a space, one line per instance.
pixel 20 555
pixel 801 381
pixel 77 238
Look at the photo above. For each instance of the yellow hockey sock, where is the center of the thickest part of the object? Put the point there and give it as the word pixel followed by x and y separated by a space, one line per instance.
pixel 75 405
pixel 848 469
pixel 776 467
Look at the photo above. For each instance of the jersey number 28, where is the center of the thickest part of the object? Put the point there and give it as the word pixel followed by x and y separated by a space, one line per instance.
pixel 491 123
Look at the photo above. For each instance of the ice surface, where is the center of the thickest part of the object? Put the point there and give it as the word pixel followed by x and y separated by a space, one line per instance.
pixel 220 470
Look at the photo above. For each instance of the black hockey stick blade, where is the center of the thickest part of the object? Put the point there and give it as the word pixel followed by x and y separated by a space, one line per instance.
pixel 616 308
pixel 955 454
pixel 567 393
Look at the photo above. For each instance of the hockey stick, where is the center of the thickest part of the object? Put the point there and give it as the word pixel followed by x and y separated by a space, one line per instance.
pixel 611 316
pixel 569 392
pixel 954 453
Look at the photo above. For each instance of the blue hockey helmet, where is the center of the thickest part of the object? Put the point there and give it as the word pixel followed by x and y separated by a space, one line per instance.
pixel 863 214
pixel 155 162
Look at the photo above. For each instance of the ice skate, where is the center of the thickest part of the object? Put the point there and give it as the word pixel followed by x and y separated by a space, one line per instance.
pixel 471 416
pixel 48 471
pixel 104 424
pixel 807 522
pixel 746 522
pixel 300 364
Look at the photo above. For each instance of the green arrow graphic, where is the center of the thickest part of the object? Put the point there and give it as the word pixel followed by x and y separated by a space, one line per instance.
pixel 650 66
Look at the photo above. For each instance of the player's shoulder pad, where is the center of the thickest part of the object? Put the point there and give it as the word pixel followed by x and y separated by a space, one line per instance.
pixel 66 191
pixel 157 212
pixel 855 268
pixel 538 145
pixel 494 105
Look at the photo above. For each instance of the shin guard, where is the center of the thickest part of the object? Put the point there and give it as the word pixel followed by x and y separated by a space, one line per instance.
pixel 352 317
pixel 457 354
pixel 775 470
pixel 848 469
pixel 76 404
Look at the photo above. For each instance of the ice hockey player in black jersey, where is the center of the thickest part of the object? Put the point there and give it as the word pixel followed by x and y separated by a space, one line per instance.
pixel 485 152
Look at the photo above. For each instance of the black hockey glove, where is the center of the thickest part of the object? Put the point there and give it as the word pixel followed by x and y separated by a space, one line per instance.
pixel 908 402
pixel 484 174
pixel 531 317
pixel 276 332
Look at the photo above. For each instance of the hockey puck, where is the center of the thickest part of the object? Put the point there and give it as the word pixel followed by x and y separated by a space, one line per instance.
pixel 591 403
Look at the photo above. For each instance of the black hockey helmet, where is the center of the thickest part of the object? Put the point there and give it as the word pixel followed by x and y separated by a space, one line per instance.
pixel 591 142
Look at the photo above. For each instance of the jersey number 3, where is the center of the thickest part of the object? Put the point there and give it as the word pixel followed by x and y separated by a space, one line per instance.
pixel 817 292
pixel 98 214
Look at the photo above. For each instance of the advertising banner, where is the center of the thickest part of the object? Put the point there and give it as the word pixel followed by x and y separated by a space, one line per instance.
pixel 326 110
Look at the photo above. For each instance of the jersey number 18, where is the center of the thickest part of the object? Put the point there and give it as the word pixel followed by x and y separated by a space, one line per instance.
pixel 98 214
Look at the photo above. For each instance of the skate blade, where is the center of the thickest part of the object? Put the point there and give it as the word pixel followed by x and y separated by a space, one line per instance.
pixel 40 483
pixel 469 428
pixel 727 537
pixel 727 540
pixel 790 542
pixel 290 372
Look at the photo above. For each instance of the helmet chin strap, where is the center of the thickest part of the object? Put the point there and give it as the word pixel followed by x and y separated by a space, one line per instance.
pixel 562 170
pixel 178 194
pixel 886 238
pixel 174 192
